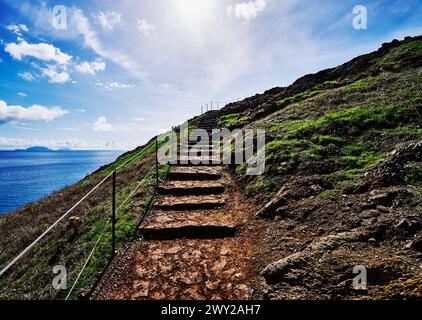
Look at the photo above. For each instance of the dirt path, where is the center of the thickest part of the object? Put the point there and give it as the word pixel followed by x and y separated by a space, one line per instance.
pixel 200 241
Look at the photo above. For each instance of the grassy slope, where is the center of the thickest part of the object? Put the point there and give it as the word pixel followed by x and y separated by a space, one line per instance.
pixel 338 128
pixel 325 134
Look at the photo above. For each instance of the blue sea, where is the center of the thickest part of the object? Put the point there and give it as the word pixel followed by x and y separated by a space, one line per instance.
pixel 29 176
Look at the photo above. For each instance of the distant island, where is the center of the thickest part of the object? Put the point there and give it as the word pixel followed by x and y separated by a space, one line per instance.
pixel 42 149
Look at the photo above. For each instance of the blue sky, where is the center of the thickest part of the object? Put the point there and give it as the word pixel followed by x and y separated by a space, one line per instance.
pixel 123 71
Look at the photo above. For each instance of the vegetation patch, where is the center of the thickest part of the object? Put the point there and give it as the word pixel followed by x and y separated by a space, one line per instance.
pixel 360 84
pixel 233 119
pixel 299 97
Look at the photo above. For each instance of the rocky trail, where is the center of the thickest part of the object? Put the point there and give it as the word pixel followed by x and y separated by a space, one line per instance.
pixel 199 242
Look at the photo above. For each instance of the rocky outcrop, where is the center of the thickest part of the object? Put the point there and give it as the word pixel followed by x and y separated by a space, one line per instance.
pixel 275 271
pixel 392 171
pixel 302 187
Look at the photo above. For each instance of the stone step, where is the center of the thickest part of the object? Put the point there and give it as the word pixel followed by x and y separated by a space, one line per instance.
pixel 194 173
pixel 170 203
pixel 193 142
pixel 200 143
pixel 199 152
pixel 194 155
pixel 168 225
pixel 189 232
pixel 183 188
pixel 184 160
pixel 195 147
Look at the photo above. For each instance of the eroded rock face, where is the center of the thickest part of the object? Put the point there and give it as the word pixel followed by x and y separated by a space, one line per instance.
pixel 277 270
pixel 392 171
pixel 303 187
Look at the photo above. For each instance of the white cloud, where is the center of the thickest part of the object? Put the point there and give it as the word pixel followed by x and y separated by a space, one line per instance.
pixel 23 95
pixel 18 29
pixel 83 27
pixel 55 76
pixel 26 76
pixel 33 113
pixel 247 10
pixel 24 128
pixel 16 143
pixel 109 19
pixel 144 26
pixel 111 86
pixel 41 51
pixel 102 125
pixel 91 67
pixel 81 110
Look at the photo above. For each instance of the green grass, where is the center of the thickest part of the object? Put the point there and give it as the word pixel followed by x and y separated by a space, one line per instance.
pixel 355 120
pixel 344 178
pixel 299 97
pixel 360 84
pixel 328 193
pixel 233 119
pixel 402 132
pixel 261 184
pixel 326 140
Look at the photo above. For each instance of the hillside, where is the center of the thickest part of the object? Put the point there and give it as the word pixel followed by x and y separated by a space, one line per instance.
pixel 343 179
pixel 342 187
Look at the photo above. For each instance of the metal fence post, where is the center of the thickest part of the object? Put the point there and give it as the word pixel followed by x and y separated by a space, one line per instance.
pixel 156 161
pixel 113 217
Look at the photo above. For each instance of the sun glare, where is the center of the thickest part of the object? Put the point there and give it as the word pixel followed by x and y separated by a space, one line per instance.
pixel 195 12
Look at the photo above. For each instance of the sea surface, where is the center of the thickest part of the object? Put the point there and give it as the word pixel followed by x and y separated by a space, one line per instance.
pixel 29 176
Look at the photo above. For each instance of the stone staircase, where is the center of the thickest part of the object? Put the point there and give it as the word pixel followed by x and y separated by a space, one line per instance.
pixel 192 202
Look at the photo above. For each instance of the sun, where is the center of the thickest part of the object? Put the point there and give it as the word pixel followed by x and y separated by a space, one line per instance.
pixel 195 12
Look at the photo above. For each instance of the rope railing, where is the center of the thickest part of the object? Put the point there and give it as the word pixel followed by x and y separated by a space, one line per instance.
pixel 104 228
pixel 67 213
pixel 20 255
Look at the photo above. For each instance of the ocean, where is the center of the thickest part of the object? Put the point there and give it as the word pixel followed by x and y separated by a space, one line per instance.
pixel 26 177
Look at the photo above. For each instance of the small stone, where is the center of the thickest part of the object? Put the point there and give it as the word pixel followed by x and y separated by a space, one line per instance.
pixel 367 206
pixel 383 209
pixel 229 272
pixel 242 287
pixel 373 241
pixel 417 245
pixel 408 245
pixel 224 252
pixel 382 198
pixel 219 265
pixel 212 285
pixel 173 250
pixel 238 275
pixel 403 224
pixel 141 289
